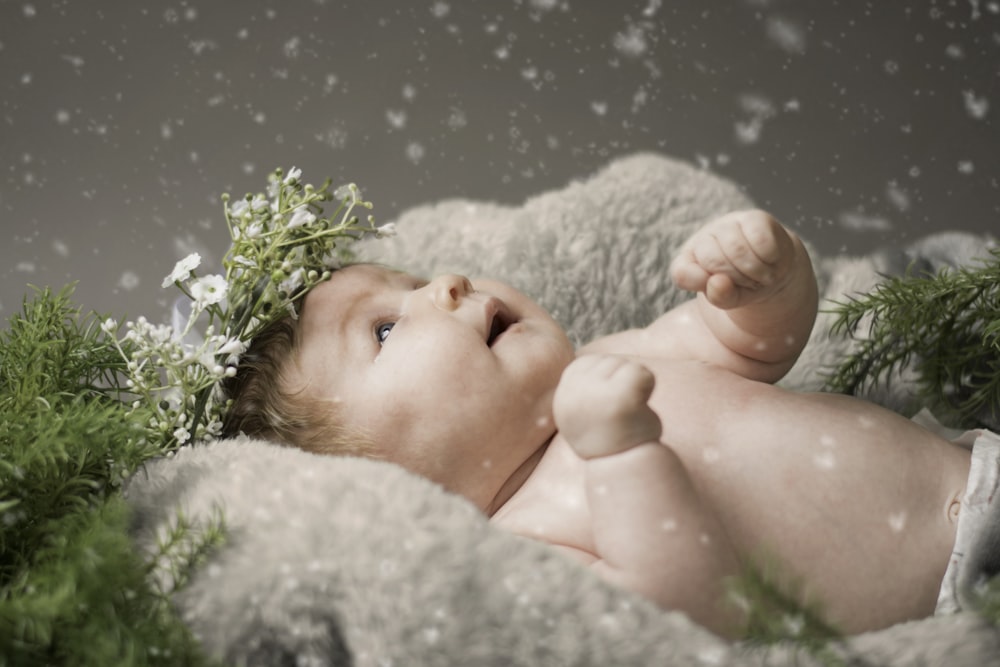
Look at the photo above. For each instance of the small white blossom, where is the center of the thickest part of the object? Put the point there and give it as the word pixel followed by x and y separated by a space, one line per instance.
pixel 209 290
pixel 232 346
pixel 182 269
pixel 347 192
pixel 109 326
pixel 243 261
pixel 259 202
pixel 301 218
pixel 293 282
pixel 293 175
pixel 238 208
pixel 386 230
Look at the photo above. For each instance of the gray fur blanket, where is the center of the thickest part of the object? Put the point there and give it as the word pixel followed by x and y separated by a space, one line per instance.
pixel 341 561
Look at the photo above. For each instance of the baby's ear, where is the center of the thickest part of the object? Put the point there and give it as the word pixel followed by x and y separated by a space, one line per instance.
pixel 593 253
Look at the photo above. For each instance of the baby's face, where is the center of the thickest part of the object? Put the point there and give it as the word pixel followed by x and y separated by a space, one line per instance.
pixel 448 378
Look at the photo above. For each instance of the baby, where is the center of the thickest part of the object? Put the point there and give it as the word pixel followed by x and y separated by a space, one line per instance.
pixel 664 458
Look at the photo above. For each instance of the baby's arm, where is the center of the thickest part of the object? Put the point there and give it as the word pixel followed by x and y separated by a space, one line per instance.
pixel 756 291
pixel 652 533
pixel 757 296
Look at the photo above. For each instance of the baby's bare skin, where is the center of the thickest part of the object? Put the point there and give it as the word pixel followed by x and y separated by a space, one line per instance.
pixel 669 472
pixel 663 457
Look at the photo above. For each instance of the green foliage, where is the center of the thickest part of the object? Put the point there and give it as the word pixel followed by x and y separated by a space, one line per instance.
pixel 73 589
pixel 944 327
pixel 776 613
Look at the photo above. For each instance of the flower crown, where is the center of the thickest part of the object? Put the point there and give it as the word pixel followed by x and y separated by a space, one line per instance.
pixel 282 247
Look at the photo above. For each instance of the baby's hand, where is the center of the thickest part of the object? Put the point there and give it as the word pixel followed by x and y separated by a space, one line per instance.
pixel 738 259
pixel 601 408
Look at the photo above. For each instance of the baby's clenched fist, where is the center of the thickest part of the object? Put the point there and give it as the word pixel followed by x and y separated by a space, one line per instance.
pixel 735 260
pixel 601 405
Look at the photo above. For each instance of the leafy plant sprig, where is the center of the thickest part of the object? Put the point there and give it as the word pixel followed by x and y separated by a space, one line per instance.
pixel 282 246
pixel 945 327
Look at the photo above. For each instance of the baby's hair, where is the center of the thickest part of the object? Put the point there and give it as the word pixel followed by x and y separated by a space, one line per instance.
pixel 264 406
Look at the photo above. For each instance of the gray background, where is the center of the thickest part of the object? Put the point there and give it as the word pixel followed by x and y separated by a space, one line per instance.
pixel 123 121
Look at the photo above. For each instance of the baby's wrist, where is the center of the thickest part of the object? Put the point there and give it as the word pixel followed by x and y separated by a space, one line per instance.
pixel 591 450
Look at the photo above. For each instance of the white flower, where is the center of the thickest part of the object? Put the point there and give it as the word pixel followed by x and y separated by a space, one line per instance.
pixel 259 202
pixel 232 346
pixel 349 191
pixel 302 217
pixel 182 269
pixel 238 208
pixel 182 435
pixel 109 326
pixel 293 282
pixel 209 290
pixel 243 261
pixel 386 230
pixel 293 175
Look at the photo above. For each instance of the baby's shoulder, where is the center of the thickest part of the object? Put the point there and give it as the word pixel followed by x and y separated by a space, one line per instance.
pixel 551 505
pixel 631 342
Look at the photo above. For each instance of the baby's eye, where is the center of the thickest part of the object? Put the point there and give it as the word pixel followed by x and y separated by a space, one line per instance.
pixel 382 331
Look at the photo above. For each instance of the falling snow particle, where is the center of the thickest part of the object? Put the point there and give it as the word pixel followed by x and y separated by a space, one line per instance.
pixel 652 8
pixel 440 9
pixel 825 461
pixel 897 522
pixel 200 46
pixel 897 196
pixel 599 107
pixel 29 11
pixel 966 167
pixel 786 35
pixel 856 221
pixel 128 281
pixel 544 5
pixel 335 137
pixel 456 119
pixel 631 42
pixel 292 48
pixel 60 248
pixel 977 107
pixel 75 61
pixel 396 118
pixel 415 152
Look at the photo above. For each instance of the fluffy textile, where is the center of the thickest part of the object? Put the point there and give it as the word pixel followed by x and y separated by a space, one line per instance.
pixel 356 562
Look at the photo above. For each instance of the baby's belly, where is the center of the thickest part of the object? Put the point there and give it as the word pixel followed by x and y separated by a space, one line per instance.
pixel 840 493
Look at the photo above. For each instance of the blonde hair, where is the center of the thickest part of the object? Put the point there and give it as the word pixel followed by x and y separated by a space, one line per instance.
pixel 263 406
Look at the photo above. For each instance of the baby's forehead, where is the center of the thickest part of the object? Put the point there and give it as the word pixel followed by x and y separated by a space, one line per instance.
pixel 348 286
pixel 358 279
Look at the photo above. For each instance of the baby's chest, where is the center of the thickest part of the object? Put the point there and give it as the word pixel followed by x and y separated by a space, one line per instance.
pixel 552 505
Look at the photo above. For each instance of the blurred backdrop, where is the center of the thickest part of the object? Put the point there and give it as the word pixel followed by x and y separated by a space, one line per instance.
pixel 123 121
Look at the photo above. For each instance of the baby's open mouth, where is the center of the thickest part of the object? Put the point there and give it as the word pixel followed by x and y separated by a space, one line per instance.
pixel 500 324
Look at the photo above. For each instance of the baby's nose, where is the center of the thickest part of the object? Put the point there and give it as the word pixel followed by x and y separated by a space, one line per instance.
pixel 447 291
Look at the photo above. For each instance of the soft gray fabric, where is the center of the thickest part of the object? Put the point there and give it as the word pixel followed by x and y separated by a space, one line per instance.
pixel 356 562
